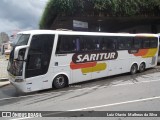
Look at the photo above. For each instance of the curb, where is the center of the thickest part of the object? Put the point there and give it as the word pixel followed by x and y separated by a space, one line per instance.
pixel 4 79
pixel 3 85
pixel 4 82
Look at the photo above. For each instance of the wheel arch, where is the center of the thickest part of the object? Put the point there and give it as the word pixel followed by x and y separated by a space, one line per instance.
pixel 134 63
pixel 64 74
pixel 141 63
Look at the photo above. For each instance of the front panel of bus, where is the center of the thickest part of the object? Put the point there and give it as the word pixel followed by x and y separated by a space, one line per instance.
pixel 15 67
pixel 32 62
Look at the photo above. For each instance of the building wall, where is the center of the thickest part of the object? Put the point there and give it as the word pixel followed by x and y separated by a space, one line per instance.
pixel 111 24
pixel 139 29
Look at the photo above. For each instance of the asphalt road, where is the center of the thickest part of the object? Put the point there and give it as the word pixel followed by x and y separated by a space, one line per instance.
pixel 125 92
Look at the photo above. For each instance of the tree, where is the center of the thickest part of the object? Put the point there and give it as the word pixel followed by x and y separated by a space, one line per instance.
pixel 127 8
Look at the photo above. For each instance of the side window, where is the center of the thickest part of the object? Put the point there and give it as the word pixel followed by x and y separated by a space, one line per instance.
pixel 103 44
pixel 153 42
pixel 111 43
pixel 108 43
pixel 77 43
pixel 39 55
pixel 125 43
pixel 97 43
pixel 146 43
pixel 67 44
pixel 137 43
pixel 87 43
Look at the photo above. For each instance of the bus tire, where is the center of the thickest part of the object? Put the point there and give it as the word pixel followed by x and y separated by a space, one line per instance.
pixel 60 81
pixel 134 69
pixel 142 67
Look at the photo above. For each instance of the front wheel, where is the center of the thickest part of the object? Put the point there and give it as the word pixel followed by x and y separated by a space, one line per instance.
pixel 60 81
pixel 134 69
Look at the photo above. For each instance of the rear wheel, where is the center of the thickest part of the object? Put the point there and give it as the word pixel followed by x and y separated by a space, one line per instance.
pixel 134 69
pixel 142 67
pixel 60 81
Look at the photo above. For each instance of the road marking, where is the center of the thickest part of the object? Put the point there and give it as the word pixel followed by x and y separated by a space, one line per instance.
pixel 99 106
pixel 114 104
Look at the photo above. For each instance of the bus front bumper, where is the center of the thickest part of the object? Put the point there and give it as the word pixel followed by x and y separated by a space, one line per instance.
pixel 20 86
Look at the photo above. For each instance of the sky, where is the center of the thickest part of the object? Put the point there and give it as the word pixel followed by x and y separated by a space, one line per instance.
pixel 20 15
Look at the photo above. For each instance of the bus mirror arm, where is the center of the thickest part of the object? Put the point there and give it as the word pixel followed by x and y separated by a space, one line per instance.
pixel 17 49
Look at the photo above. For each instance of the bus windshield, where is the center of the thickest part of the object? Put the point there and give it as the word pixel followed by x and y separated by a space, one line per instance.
pixel 22 39
pixel 15 66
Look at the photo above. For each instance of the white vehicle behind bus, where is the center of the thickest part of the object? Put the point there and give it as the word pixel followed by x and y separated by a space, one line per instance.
pixel 42 59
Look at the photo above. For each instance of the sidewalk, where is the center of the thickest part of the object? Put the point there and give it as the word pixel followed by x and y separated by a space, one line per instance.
pixel 3 71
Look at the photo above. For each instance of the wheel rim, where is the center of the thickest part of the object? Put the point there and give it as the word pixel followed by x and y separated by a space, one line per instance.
pixel 142 67
pixel 134 69
pixel 60 81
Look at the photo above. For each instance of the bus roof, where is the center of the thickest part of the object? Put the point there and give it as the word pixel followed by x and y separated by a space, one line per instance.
pixel 86 33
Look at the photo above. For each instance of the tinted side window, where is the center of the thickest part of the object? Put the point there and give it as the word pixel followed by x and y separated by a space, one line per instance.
pixel 67 44
pixel 82 43
pixel 75 43
pixel 146 43
pixel 125 43
pixel 98 43
pixel 153 42
pixel 87 43
pixel 108 43
pixel 39 55
pixel 137 43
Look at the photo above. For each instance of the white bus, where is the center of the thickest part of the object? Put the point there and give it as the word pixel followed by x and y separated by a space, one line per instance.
pixel 43 59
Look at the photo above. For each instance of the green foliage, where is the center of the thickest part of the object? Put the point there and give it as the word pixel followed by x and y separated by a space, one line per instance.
pixel 55 8
pixel 59 7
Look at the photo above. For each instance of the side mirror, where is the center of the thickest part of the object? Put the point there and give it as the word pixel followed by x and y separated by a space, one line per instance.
pixel 17 49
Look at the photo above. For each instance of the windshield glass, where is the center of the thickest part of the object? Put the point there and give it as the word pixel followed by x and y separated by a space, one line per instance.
pixel 22 39
pixel 15 67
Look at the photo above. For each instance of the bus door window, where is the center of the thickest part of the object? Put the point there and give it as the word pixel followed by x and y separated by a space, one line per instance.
pixel 39 55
